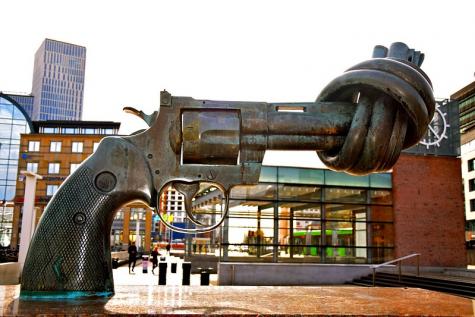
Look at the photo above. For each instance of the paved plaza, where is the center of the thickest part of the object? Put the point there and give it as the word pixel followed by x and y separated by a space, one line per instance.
pixel 122 276
pixel 246 301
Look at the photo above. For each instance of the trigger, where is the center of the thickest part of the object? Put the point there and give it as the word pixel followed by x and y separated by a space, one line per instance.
pixel 148 118
pixel 188 191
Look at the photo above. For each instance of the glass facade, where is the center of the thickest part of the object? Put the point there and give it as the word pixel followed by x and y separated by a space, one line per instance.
pixel 58 81
pixel 13 122
pixel 25 101
pixel 303 215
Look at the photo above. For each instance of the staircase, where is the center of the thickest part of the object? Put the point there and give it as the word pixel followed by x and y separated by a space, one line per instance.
pixel 445 284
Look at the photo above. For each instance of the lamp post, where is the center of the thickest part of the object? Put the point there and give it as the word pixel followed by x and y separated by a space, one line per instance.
pixel 29 215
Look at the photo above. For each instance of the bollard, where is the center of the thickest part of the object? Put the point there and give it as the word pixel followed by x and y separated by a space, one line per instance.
pixel 162 273
pixel 115 263
pixel 204 277
pixel 144 264
pixel 174 267
pixel 186 268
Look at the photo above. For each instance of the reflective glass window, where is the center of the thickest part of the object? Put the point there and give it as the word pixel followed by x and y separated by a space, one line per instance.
pixel 299 192
pixel 381 213
pixel 382 234
pixel 380 180
pixel 345 195
pixel 3 172
pixel 18 129
pixel 260 191
pixel 342 179
pixel 300 175
pixel 381 197
pixel 4 150
pixel 268 174
pixel 14 152
pixel 345 212
pixel 12 172
pixel 251 231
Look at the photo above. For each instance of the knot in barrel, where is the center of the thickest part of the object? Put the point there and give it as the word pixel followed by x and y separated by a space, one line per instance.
pixel 394 106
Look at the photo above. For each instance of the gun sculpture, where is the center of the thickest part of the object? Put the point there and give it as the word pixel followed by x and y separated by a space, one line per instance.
pixel 359 124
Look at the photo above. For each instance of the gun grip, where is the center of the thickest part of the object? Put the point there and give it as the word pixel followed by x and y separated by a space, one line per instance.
pixel 69 255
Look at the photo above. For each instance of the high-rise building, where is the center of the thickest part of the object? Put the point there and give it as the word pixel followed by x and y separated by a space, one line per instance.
pixel 466 98
pixel 58 81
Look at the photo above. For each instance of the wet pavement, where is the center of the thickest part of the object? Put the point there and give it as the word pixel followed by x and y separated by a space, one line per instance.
pixel 247 301
pixel 138 294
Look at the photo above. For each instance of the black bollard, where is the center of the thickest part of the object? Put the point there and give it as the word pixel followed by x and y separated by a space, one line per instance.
pixel 144 264
pixel 186 267
pixel 174 267
pixel 162 273
pixel 115 263
pixel 204 277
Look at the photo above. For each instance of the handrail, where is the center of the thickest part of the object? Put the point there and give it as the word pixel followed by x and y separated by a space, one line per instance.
pixel 398 260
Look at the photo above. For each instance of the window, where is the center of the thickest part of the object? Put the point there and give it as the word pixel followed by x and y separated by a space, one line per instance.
pixel 471 184
pixel 471 165
pixel 95 146
pixel 74 167
pixel 53 168
pixel 76 147
pixel 50 130
pixel 34 146
pixel 55 146
pixel 32 167
pixel 51 189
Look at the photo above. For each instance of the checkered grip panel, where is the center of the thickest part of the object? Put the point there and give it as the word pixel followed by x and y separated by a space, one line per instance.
pixel 70 250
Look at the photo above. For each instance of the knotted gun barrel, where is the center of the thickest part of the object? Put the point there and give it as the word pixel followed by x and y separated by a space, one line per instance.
pixel 395 104
pixel 359 124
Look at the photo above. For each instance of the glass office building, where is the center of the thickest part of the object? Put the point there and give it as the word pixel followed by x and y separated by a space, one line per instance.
pixel 25 101
pixel 301 215
pixel 58 81
pixel 13 122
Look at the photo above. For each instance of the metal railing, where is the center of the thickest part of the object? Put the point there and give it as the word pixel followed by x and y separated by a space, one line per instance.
pixel 398 261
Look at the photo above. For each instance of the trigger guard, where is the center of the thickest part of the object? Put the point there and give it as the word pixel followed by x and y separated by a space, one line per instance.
pixel 191 217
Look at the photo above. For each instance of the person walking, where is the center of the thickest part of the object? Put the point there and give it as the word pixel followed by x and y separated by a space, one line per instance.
pixel 168 247
pixel 132 256
pixel 155 255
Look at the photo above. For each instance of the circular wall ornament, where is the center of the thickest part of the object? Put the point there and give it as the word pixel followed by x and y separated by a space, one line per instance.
pixel 437 129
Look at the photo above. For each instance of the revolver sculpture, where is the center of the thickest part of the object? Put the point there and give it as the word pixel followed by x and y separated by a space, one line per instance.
pixel 359 124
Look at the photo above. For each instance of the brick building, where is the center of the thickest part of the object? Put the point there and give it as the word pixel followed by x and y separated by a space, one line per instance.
pixel 54 149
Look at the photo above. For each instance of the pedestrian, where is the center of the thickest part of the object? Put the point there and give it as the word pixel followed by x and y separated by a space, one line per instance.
pixel 132 256
pixel 168 248
pixel 155 255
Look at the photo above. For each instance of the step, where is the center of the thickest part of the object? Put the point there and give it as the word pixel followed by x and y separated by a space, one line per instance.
pixel 432 281
pixel 441 288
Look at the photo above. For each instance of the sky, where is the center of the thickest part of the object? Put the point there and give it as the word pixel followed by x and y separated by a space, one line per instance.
pixel 274 51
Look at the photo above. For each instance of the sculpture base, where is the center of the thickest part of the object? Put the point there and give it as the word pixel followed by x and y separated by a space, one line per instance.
pixel 246 300
pixel 60 295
